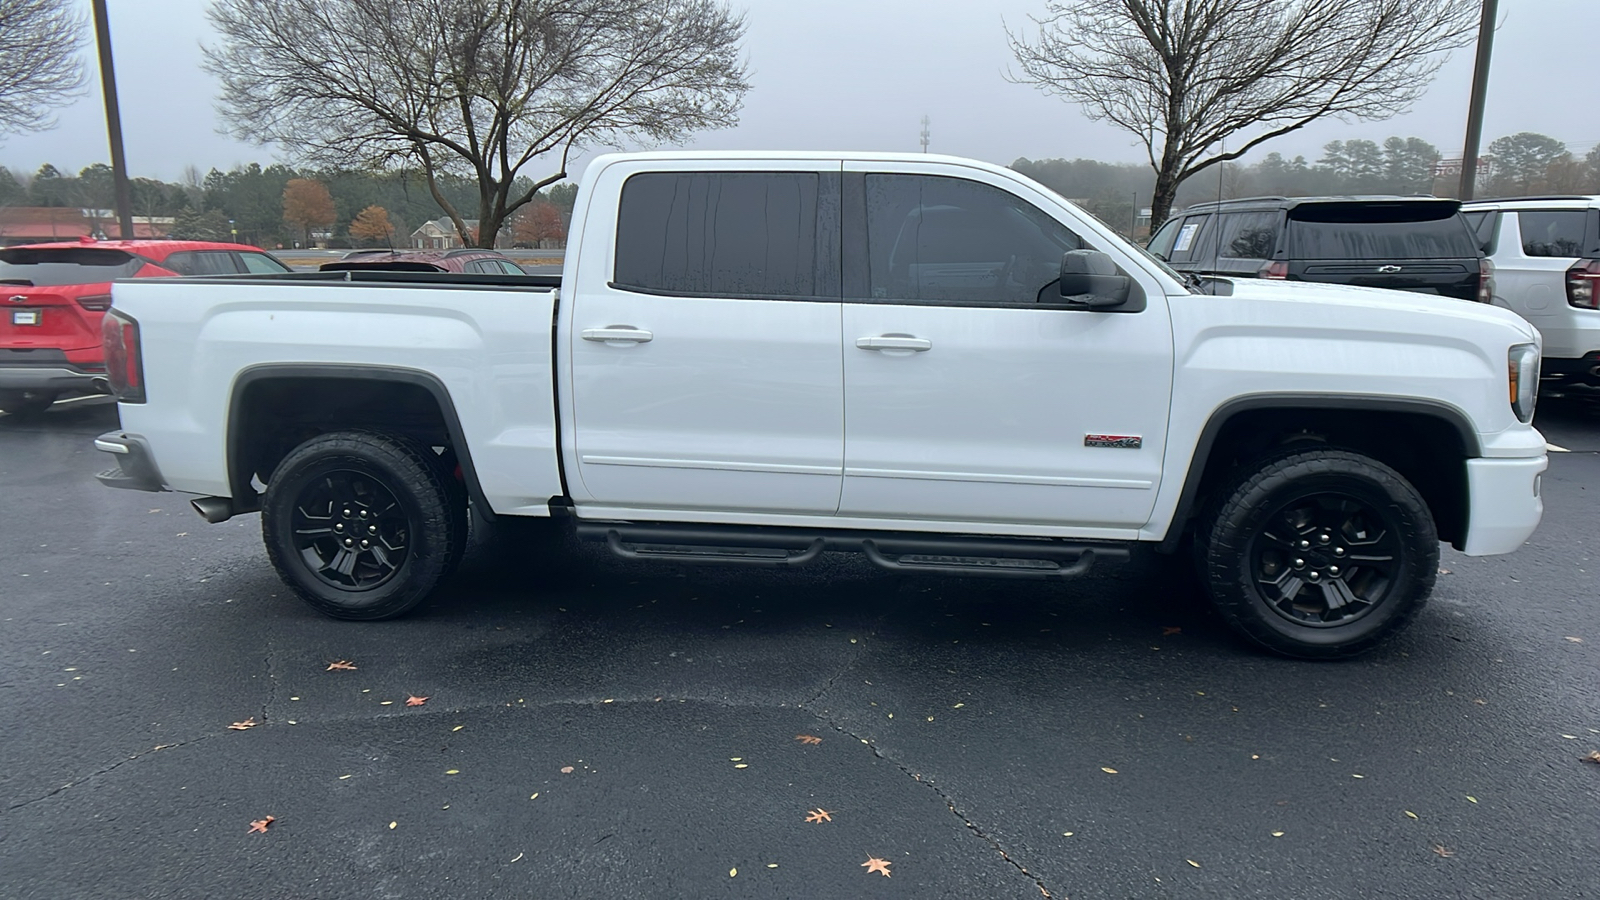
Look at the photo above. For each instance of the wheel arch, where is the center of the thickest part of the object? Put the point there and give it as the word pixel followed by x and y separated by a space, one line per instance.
pixel 1244 428
pixel 424 409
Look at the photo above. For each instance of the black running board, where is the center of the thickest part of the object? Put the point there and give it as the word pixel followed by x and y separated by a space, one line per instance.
pixel 981 555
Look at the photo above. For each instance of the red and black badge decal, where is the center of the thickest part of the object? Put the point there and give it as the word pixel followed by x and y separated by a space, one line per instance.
pixel 1123 441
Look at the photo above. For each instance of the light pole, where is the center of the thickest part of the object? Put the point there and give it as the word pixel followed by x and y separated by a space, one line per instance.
pixel 108 87
pixel 1480 87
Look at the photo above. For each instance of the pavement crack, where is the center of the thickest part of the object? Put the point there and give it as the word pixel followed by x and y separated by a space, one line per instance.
pixel 272 682
pixel 949 802
pixel 106 769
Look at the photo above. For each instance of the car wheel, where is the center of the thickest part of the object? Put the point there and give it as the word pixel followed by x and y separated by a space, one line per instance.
pixel 26 403
pixel 1319 554
pixel 361 525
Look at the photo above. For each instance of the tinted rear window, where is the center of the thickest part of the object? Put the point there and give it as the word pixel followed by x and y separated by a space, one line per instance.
pixel 738 234
pixel 69 265
pixel 201 262
pixel 1553 233
pixel 1409 231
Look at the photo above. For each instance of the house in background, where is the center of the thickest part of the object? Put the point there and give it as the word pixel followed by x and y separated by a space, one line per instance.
pixel 40 224
pixel 440 234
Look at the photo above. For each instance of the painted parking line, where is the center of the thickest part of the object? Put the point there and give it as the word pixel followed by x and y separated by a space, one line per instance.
pixel 1554 449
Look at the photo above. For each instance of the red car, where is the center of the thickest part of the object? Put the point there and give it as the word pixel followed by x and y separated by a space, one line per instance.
pixel 53 296
pixel 469 260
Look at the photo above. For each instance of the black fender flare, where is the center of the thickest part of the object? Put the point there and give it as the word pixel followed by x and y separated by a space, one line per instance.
pixel 1434 409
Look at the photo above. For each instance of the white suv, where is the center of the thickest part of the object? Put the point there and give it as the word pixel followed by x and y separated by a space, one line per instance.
pixel 1546 254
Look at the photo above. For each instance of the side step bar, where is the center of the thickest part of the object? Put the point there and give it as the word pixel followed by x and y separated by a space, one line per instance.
pixel 983 555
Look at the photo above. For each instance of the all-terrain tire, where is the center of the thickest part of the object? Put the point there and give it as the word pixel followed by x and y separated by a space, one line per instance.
pixel 362 525
pixel 1318 554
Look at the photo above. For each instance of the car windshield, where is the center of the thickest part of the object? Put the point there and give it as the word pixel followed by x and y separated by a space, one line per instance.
pixel 51 267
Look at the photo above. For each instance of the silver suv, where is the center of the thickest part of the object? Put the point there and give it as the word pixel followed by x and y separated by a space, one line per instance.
pixel 1546 255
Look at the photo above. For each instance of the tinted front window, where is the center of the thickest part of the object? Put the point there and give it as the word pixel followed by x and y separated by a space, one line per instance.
pixel 262 264
pixel 1555 233
pixel 957 241
pixel 73 265
pixel 202 262
pixel 1335 231
pixel 731 234
pixel 1160 246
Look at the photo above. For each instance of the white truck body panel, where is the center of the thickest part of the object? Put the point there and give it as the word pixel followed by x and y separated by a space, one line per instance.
pixel 490 348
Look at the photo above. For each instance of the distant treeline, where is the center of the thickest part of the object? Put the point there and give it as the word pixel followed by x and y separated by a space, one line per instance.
pixel 252 199
pixel 1518 165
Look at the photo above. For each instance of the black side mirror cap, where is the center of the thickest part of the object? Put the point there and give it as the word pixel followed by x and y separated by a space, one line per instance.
pixel 1090 278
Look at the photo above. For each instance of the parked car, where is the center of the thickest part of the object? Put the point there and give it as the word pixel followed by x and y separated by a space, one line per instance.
pixel 55 295
pixel 1403 243
pixel 1546 253
pixel 467 261
pixel 756 358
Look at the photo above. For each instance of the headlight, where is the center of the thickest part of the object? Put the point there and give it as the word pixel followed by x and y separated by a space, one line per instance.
pixel 1522 365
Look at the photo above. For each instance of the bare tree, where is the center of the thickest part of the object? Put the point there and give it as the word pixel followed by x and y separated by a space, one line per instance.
pixel 479 88
pixel 1185 76
pixel 40 68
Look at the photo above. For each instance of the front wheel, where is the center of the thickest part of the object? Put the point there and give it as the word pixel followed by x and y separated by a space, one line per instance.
pixel 361 525
pixel 1319 554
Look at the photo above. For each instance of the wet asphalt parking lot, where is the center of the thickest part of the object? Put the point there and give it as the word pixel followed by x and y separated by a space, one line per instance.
pixel 600 728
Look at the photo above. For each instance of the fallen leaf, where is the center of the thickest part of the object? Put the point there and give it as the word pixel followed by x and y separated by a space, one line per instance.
pixel 741 765
pixel 772 865
pixel 1192 863
pixel 519 856
pixel 247 723
pixel 819 815
pixel 1575 640
pixel 260 825
pixel 535 796
pixel 1066 834
pixel 452 771
pixel 415 701
pixel 1357 776
pixel 566 770
pixel 1108 771
pixel 343 777
pixel 386 703
pixel 1277 834
pixel 1170 629
pixel 1443 851
pixel 393 825
pixel 1472 798
pixel 1594 756
pixel 1410 814
pixel 458 728
pixel 733 873
pixel 1570 737
pixel 958 706
pixel 1443 571
pixel 874 864
pixel 808 739
pixel 342 665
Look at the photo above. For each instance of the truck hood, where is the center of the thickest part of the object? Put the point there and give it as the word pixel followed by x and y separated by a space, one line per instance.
pixel 1375 305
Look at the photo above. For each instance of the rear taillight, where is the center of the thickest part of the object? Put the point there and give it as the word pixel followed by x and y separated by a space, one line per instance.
pixel 95 302
pixel 1485 281
pixel 1277 270
pixel 1583 284
pixel 119 336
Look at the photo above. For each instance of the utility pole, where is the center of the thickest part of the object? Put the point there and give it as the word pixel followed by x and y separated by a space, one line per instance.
pixel 1480 87
pixel 924 134
pixel 108 87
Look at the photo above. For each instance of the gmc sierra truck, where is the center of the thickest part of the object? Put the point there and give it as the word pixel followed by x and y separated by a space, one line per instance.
pixel 757 358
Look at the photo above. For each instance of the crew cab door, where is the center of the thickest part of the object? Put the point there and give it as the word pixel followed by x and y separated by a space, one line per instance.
pixel 972 395
pixel 704 340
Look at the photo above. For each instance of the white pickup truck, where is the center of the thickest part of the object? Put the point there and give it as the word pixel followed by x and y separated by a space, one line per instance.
pixel 755 358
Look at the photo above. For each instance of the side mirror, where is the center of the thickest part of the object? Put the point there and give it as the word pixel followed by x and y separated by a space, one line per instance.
pixel 1089 278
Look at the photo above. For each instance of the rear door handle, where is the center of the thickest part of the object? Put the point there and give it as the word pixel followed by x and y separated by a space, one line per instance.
pixel 894 342
pixel 618 334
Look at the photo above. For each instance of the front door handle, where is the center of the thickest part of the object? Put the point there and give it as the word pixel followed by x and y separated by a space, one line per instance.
pixel 618 334
pixel 894 342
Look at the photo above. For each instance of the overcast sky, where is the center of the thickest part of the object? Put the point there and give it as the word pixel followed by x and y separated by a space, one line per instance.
pixel 858 74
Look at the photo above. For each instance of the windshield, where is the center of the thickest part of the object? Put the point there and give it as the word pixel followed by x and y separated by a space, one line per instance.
pixel 51 267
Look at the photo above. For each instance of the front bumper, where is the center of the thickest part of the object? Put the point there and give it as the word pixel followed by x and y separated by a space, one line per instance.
pixel 136 467
pixel 1504 502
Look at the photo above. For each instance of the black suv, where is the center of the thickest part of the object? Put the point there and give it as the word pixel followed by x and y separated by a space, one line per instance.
pixel 1405 243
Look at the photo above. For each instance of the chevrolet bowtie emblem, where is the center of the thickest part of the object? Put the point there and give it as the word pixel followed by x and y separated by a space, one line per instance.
pixel 1388 270
pixel 17 298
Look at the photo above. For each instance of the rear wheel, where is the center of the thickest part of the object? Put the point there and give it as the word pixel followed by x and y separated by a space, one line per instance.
pixel 1319 554
pixel 362 525
pixel 26 403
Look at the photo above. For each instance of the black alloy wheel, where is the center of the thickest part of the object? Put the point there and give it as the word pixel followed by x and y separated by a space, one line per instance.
pixel 350 530
pixel 362 525
pixel 1318 554
pixel 1326 559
